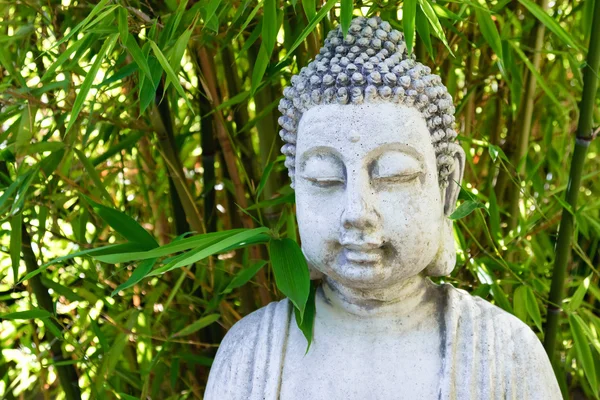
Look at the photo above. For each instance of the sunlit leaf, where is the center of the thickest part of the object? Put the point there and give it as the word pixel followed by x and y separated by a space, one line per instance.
pixel 409 14
pixel 200 324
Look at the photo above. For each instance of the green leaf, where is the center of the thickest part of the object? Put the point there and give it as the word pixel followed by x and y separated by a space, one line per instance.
pixel 99 7
pixel 264 178
pixel 520 303
pixel 16 223
pixel 124 225
pixel 466 208
pixel 138 56
pixel 582 348
pixel 533 309
pixel 244 276
pixel 306 322
pixel 25 132
pixel 409 15
pixel 310 9
pixel 104 347
pixel 269 25
pixel 199 254
pixel 540 80
pixel 89 79
pixel 52 327
pixel 6 60
pixel 346 10
pixel 435 22
pixel 93 175
pixel 550 23
pixel 196 326
pixel 291 271
pixel 259 68
pixel 180 46
pixel 494 216
pixel 580 293
pixel 423 31
pixel 288 198
pixel 311 26
pixel 148 87
pixel 116 248
pixel 29 314
pixel 171 76
pixel 64 56
pixel 211 8
pixel 138 274
pixel 194 242
pixel 122 22
pixel 489 31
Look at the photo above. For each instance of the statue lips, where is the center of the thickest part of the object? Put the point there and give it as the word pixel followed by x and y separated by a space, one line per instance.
pixel 362 252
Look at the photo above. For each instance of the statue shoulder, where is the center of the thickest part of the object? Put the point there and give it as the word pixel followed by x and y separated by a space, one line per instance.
pixel 511 349
pixel 242 366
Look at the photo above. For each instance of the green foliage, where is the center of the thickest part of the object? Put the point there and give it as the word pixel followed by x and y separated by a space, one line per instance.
pixel 145 208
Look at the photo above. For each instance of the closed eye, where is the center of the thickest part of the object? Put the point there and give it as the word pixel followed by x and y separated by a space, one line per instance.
pixel 325 181
pixel 403 177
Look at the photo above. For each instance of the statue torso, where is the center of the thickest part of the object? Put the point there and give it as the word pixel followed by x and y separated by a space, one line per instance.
pixel 365 356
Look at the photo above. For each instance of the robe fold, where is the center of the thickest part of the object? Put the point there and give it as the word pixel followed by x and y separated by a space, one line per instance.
pixel 487 354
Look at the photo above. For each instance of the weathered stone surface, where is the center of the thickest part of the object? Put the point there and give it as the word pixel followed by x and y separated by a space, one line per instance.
pixel 375 181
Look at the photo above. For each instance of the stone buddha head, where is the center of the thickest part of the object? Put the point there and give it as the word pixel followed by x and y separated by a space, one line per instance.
pixel 371 154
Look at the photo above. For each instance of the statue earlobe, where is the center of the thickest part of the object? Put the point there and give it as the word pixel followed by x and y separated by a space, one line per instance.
pixel 445 259
pixel 454 179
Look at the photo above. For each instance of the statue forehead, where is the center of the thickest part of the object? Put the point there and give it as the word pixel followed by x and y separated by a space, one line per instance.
pixel 365 123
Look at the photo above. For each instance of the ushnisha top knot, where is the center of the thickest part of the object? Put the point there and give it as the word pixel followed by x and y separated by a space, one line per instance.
pixel 369 64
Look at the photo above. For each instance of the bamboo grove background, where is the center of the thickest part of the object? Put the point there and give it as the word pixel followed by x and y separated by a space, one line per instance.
pixel 147 124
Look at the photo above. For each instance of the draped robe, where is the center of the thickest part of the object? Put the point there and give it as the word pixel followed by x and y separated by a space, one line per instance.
pixel 487 354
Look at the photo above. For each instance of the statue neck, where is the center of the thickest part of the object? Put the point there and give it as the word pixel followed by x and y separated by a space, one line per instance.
pixel 399 300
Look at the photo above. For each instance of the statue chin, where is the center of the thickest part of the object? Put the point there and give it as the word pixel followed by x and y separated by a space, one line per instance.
pixel 370 149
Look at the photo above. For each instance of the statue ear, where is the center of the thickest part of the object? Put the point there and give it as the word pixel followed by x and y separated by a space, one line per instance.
pixel 453 188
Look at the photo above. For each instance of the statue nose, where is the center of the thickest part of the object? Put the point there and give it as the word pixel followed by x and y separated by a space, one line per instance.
pixel 358 214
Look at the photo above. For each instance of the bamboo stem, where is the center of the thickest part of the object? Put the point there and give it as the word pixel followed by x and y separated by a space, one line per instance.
pixel 582 141
pixel 67 375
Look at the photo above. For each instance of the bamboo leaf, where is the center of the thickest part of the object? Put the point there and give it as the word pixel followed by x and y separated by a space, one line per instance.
pixel 196 326
pixel 29 314
pixel 549 22
pixel 98 8
pixel 306 322
pixel 346 9
pixel 466 208
pixel 579 294
pixel 25 132
pixel 199 254
pixel 194 242
pixel 171 76
pixel 138 56
pixel 311 26
pixel 123 224
pixel 259 68
pixel 536 74
pixel 435 22
pixel 520 303
pixel 533 308
pixel 6 60
pixel 489 31
pixel 310 9
pixel 582 348
pixel 89 80
pixel 16 223
pixel 423 31
pixel 93 175
pixel 138 274
pixel 269 25
pixel 409 15
pixel 291 271
pixel 122 23
pixel 64 56
pixel 244 276
pixel 264 178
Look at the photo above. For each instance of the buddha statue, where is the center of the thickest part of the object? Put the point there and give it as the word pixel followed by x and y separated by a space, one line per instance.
pixel 371 154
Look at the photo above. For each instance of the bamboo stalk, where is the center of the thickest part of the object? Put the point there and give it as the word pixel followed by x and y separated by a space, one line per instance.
pixel 69 381
pixel 584 136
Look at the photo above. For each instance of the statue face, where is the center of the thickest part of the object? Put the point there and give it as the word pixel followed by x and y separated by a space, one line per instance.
pixel 369 206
